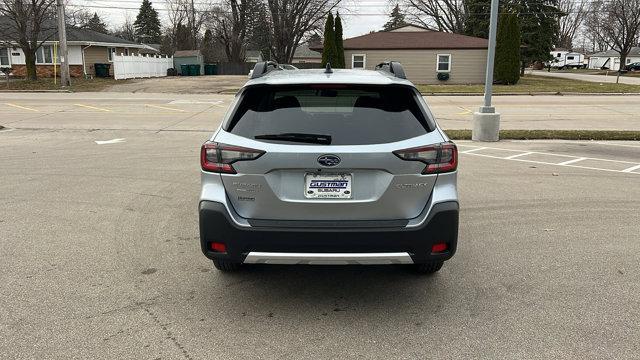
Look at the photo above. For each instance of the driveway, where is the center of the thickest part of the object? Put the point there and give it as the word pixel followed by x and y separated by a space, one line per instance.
pixel 182 85
pixel 587 77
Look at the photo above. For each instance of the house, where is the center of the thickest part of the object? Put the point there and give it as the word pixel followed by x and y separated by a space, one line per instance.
pixel 253 56
pixel 304 55
pixel 563 58
pixel 85 48
pixel 610 59
pixel 188 57
pixel 423 54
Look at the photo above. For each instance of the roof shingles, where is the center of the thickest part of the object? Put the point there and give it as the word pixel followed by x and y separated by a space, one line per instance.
pixel 415 40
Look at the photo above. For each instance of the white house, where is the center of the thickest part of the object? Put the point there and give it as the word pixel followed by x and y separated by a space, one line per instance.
pixel 85 47
pixel 610 59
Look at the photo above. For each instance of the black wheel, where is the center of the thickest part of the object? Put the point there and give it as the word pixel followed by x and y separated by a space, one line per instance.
pixel 226 265
pixel 428 268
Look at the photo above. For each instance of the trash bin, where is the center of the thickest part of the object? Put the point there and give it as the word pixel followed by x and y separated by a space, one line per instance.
pixel 102 70
pixel 194 70
pixel 210 69
pixel 184 70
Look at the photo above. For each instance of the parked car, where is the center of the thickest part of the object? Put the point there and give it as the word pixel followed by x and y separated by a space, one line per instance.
pixel 280 67
pixel 633 67
pixel 324 167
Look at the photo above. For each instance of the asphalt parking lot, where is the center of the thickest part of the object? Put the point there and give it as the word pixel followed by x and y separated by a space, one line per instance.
pixel 99 252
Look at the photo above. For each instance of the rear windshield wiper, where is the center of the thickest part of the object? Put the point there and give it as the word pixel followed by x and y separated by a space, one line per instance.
pixel 297 137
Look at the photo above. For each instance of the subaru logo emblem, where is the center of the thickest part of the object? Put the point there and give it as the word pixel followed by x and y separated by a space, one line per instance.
pixel 328 160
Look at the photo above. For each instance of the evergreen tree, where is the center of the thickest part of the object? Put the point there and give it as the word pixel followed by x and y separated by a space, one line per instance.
pixel 539 27
pixel 477 23
pixel 329 50
pixel 147 24
pixel 208 47
pixel 340 62
pixel 507 60
pixel 396 19
pixel 183 38
pixel 96 24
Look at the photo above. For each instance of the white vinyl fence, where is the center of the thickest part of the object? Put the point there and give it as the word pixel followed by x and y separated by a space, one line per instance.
pixel 140 66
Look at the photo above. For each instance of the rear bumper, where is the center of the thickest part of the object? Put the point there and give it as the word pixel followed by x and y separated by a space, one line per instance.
pixel 216 225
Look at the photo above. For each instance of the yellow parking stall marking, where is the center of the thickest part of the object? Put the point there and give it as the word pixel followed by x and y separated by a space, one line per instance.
pixel 465 111
pixel 164 108
pixel 92 107
pixel 21 107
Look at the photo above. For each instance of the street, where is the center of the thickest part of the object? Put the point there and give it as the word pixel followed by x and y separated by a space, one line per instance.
pixel 100 256
pixel 147 111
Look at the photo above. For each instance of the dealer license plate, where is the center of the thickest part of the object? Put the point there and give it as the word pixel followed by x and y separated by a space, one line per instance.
pixel 327 186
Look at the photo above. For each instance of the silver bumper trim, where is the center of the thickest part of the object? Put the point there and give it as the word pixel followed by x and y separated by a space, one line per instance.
pixel 255 257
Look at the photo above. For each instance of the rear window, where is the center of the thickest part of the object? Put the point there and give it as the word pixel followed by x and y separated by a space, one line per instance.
pixel 350 115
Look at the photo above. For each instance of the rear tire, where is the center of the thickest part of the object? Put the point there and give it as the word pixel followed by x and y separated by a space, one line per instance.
pixel 428 268
pixel 226 265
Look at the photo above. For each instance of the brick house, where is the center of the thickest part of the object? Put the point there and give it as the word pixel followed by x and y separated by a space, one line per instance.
pixel 86 48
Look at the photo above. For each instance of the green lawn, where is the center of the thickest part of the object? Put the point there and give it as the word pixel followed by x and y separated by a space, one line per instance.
pixel 77 84
pixel 536 84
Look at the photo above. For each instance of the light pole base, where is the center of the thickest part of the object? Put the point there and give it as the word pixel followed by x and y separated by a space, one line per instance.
pixel 486 127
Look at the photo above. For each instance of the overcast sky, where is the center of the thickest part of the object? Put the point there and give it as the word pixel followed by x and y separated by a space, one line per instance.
pixel 358 17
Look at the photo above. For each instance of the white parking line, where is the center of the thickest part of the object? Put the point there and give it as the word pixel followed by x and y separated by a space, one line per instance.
pixel 518 155
pixel 572 161
pixel 472 150
pixel 568 163
pixel 628 170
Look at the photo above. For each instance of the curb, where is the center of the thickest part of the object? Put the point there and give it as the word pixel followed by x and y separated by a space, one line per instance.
pixel 530 94
pixel 36 91
pixel 626 135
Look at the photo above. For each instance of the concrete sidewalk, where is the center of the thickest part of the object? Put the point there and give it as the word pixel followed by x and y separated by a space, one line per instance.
pixel 587 77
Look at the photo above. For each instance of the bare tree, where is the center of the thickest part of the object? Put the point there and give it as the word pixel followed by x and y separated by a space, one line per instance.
pixel 230 28
pixel 440 15
pixel 575 12
pixel 291 21
pixel 126 31
pixel 28 23
pixel 78 17
pixel 192 13
pixel 618 22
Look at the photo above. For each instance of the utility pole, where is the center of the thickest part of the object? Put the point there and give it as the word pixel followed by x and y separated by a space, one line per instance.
pixel 193 25
pixel 62 34
pixel 486 122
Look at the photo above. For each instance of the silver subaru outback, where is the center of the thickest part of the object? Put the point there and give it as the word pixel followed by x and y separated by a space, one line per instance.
pixel 329 167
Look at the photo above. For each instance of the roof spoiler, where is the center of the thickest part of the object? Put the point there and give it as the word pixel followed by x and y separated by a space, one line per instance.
pixel 263 68
pixel 392 67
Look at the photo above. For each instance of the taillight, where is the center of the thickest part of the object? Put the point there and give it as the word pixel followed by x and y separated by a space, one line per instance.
pixel 439 158
pixel 216 157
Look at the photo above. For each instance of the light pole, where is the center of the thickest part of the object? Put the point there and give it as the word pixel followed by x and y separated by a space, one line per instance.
pixel 486 121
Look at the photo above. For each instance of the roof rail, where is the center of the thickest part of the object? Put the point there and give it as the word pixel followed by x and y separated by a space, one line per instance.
pixel 263 68
pixel 392 67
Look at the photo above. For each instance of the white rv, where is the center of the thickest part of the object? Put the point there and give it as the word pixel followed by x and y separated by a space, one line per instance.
pixel 563 59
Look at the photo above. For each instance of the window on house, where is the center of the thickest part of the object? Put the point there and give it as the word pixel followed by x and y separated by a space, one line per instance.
pixel 569 57
pixel 559 55
pixel 358 61
pixel 126 52
pixel 444 62
pixel 111 51
pixel 44 55
pixel 628 61
pixel 4 57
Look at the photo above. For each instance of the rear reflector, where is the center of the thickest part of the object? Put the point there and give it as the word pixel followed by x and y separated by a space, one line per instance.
pixel 216 157
pixel 439 158
pixel 218 247
pixel 439 247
